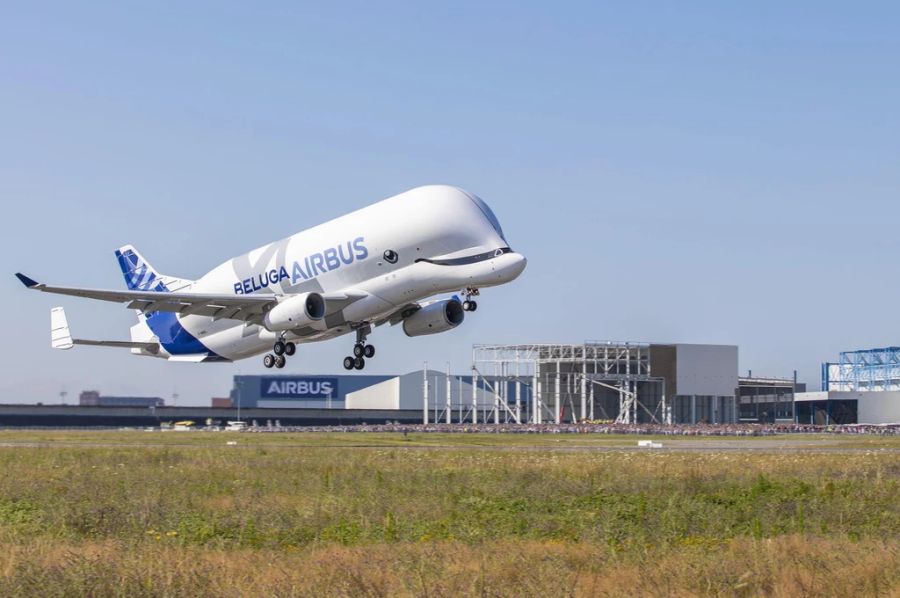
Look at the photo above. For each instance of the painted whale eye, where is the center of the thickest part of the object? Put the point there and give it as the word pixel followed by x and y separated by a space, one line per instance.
pixel 391 256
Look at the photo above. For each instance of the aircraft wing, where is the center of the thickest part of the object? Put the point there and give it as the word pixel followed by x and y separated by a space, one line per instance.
pixel 247 308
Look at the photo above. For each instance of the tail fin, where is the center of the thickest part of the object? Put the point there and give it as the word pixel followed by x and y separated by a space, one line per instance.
pixel 141 276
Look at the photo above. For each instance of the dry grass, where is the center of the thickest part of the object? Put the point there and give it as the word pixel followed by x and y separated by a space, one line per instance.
pixel 786 566
pixel 276 521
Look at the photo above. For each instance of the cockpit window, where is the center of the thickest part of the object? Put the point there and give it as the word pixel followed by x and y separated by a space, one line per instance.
pixel 489 214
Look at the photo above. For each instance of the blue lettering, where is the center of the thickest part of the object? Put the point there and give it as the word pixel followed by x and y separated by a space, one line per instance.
pixel 361 251
pixel 349 259
pixel 318 262
pixel 273 276
pixel 238 289
pixel 255 288
pixel 282 274
pixel 298 273
pixel 247 289
pixel 331 259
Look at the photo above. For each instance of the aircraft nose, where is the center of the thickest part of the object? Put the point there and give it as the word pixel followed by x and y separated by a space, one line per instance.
pixel 519 265
pixel 512 265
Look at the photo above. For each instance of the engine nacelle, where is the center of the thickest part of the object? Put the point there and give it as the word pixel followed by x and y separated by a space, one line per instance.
pixel 440 316
pixel 296 311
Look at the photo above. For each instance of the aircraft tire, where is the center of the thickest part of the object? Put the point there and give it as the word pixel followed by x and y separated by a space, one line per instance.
pixel 359 363
pixel 269 360
pixel 290 348
pixel 369 351
pixel 358 350
pixel 473 305
pixel 349 363
pixel 280 361
pixel 278 349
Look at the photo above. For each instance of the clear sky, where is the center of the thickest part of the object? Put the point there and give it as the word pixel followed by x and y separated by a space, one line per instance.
pixel 701 172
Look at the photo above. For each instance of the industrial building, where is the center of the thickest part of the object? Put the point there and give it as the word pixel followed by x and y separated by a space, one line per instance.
pixel 616 381
pixel 445 397
pixel 304 391
pixel 92 398
pixel 861 387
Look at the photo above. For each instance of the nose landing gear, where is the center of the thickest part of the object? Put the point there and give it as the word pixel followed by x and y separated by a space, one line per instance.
pixel 361 351
pixel 282 350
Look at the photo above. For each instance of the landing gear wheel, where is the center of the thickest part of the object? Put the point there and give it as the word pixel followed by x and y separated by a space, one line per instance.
pixel 269 360
pixel 290 349
pixel 280 361
pixel 359 363
pixel 358 350
pixel 278 349
pixel 349 363
pixel 369 351
pixel 469 304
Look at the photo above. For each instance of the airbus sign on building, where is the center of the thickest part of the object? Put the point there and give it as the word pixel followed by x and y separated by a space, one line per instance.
pixel 299 391
pixel 298 388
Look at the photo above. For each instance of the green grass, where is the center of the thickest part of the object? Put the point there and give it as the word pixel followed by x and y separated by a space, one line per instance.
pixel 88 520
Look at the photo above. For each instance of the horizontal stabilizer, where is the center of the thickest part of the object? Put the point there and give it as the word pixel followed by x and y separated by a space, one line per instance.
pixel 61 337
pixel 151 347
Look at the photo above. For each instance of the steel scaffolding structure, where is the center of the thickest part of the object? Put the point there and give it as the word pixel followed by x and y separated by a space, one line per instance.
pixel 866 370
pixel 602 380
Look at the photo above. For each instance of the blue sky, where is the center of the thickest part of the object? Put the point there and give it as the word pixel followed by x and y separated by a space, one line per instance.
pixel 688 172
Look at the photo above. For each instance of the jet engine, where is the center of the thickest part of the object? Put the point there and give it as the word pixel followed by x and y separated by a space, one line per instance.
pixel 440 316
pixel 296 311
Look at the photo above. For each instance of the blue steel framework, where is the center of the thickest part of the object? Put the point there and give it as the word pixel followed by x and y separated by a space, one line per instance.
pixel 866 370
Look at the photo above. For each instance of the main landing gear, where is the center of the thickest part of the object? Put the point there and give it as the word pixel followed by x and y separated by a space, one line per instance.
pixel 470 304
pixel 361 351
pixel 282 350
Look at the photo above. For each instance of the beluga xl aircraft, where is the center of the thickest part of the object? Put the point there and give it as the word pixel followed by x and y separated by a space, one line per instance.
pixel 382 264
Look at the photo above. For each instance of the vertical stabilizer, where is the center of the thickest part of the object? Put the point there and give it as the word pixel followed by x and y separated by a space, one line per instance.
pixel 60 337
pixel 141 276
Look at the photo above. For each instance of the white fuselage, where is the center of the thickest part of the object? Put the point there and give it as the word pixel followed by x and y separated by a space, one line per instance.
pixel 347 255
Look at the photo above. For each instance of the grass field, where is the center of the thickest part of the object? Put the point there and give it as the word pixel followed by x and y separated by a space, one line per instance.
pixel 136 513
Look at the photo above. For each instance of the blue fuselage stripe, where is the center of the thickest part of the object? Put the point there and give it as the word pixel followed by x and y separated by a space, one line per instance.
pixel 174 337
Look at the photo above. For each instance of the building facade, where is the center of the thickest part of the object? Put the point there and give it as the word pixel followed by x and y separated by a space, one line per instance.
pixel 92 398
pixel 862 387
pixel 615 381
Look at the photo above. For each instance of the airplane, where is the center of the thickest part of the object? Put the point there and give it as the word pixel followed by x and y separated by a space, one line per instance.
pixel 381 264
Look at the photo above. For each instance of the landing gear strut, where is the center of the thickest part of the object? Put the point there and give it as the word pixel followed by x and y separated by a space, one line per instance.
pixel 470 304
pixel 282 350
pixel 361 351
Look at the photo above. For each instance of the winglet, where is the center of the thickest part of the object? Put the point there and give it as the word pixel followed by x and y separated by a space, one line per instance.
pixel 28 282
